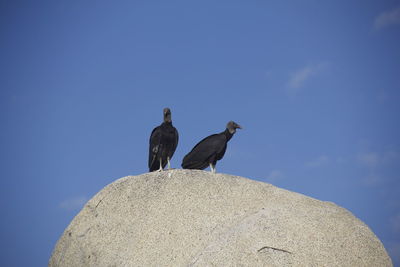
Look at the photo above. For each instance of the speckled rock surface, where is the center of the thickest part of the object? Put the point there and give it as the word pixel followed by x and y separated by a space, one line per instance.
pixel 196 218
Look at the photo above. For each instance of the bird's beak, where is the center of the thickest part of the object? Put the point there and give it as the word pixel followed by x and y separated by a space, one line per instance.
pixel 238 126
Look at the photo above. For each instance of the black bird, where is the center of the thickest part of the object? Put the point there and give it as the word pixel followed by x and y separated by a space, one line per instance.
pixel 210 149
pixel 163 142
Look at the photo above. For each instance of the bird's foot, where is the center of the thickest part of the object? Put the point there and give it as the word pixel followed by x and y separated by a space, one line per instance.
pixel 168 163
pixel 161 168
pixel 212 168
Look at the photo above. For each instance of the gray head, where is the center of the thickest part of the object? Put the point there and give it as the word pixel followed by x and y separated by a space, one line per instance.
pixel 232 126
pixel 167 115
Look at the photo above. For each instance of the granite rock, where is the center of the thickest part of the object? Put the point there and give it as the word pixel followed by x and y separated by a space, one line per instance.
pixel 196 218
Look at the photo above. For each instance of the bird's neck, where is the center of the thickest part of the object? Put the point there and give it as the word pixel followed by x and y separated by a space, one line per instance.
pixel 167 118
pixel 227 134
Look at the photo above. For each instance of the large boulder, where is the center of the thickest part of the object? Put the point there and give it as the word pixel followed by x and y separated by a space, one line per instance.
pixel 197 218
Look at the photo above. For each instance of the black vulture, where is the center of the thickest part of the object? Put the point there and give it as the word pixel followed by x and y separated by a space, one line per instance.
pixel 209 150
pixel 163 142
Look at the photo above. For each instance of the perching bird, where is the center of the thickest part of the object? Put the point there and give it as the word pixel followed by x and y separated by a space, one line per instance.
pixel 209 150
pixel 163 142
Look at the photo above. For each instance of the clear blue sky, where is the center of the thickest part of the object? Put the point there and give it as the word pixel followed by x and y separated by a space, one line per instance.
pixel 315 84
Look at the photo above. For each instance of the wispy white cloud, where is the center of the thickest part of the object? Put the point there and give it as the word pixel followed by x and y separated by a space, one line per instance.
pixel 391 157
pixel 318 162
pixel 341 160
pixel 376 165
pixel 73 203
pixel 372 179
pixel 374 159
pixel 275 175
pixel 369 159
pixel 387 18
pixel 299 77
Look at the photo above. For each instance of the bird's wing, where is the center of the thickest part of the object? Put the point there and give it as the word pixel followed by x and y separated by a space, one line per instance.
pixel 176 134
pixel 221 153
pixel 206 148
pixel 155 139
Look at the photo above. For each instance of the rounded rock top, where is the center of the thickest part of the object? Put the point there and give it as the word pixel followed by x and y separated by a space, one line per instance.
pixel 197 218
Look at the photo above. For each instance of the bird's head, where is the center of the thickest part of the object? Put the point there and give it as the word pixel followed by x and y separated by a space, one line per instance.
pixel 167 115
pixel 232 126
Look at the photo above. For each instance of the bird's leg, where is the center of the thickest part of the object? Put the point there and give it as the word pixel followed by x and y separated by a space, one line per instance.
pixel 160 169
pixel 212 168
pixel 169 164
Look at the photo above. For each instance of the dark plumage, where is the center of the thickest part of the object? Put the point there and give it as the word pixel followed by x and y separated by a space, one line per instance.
pixel 209 150
pixel 163 142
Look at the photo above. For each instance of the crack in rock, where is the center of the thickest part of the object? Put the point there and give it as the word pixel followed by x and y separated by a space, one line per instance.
pixel 277 249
